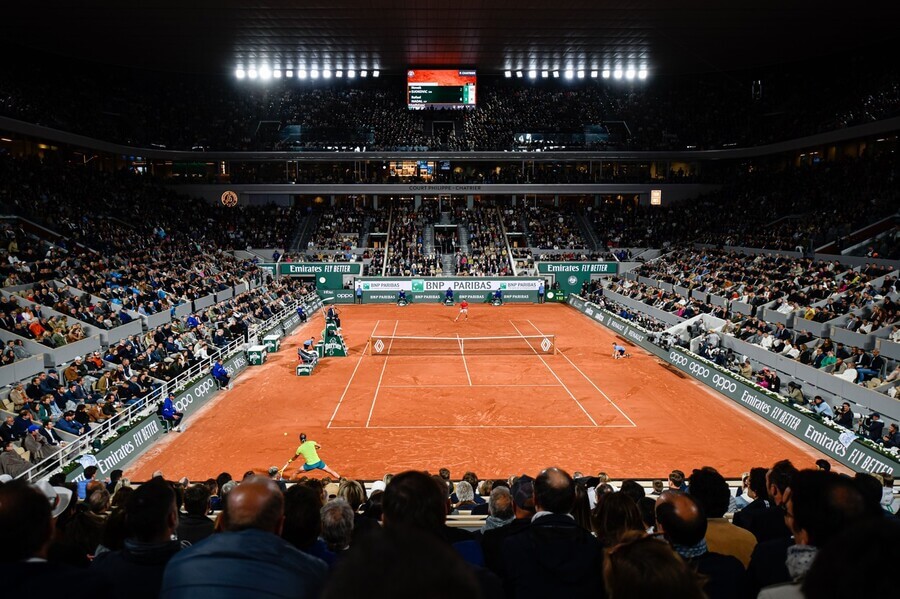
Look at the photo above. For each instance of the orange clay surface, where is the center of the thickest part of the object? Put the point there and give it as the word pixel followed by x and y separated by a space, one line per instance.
pixel 493 414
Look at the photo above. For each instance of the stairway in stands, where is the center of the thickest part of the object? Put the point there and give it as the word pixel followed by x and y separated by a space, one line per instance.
pixel 428 239
pixel 448 264
pixel 364 232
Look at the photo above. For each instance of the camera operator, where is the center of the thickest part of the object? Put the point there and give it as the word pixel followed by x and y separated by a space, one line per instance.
pixel 844 416
pixel 874 427
pixel 892 438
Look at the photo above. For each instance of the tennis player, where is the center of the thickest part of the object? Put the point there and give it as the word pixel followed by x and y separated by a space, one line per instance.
pixel 619 351
pixel 463 309
pixel 309 451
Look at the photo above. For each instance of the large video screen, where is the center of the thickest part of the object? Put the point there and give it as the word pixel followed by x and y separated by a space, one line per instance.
pixel 440 88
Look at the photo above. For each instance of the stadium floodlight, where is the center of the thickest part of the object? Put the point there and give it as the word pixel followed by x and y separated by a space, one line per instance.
pixel 313 74
pixel 507 74
pixel 569 73
pixel 326 74
pixel 364 73
pixel 556 74
pixel 629 73
pixel 580 74
pixel 265 72
pixel 519 74
pixel 276 73
pixel 617 74
pixel 339 73
pixel 593 74
pixel 351 74
pixel 606 73
pixel 545 74
pixel 642 73
pixel 289 74
pixel 376 73
pixel 301 74
pixel 239 73
pixel 251 73
pixel 532 74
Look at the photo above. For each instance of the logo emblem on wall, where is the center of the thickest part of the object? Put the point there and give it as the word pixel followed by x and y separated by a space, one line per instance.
pixel 573 280
pixel 230 199
pixel 418 284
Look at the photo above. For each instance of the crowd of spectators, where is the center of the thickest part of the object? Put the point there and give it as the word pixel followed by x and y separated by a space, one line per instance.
pixel 406 255
pixel 784 532
pixel 659 114
pixel 339 229
pixel 488 254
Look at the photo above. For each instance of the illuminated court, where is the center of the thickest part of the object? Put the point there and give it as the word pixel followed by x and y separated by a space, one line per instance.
pixel 496 406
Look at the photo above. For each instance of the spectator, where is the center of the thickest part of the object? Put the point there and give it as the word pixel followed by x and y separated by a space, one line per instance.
pixel 522 494
pixel 303 521
pixel 500 510
pixel 553 555
pixel 711 492
pixel 151 518
pixel 11 462
pixel 643 566
pixel 337 526
pixel 682 522
pixel 248 558
pixel 194 525
pixel 819 507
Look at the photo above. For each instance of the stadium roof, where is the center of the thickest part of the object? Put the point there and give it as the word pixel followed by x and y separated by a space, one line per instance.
pixel 669 36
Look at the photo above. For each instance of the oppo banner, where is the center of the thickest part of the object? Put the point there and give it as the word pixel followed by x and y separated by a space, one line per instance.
pixel 141 436
pixel 786 416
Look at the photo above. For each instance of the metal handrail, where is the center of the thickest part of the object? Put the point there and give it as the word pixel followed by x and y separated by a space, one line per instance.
pixel 147 405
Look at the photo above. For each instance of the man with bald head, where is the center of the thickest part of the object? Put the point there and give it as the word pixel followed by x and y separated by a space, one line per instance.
pixel 248 559
pixel 682 522
pixel 553 556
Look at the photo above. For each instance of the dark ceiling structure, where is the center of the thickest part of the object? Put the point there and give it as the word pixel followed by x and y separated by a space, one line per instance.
pixel 669 37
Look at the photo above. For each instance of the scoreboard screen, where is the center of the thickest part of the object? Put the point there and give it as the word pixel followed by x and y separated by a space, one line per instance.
pixel 442 88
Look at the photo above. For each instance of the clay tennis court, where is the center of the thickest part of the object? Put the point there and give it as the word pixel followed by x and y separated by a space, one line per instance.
pixel 508 408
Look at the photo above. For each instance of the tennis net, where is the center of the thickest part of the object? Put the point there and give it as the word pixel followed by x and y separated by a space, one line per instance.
pixel 388 345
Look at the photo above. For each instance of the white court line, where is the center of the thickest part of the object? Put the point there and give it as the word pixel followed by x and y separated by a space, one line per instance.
pixel 463 354
pixel 378 388
pixel 588 379
pixel 358 362
pixel 594 422
pixel 442 386
pixel 471 426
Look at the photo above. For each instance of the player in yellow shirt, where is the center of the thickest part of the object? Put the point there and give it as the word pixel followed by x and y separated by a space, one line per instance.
pixel 309 451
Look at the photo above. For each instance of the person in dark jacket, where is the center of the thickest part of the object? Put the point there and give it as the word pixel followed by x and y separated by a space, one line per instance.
pixel 768 523
pixel 553 557
pixel 194 525
pixel 249 559
pixel 151 517
pixel 682 522
pixel 492 540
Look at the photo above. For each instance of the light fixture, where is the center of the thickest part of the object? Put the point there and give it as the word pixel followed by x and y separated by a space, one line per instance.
pixel 276 73
pixel 326 74
pixel 289 74
pixel 313 74
pixel 364 73
pixel 569 73
pixel 581 74
pixel 556 74
pixel 519 74
pixel 593 74
pixel 301 74
pixel 617 74
pixel 507 74
pixel 351 74
pixel 339 73
pixel 239 73
pixel 376 73
pixel 642 73
pixel 629 73
pixel 532 74
pixel 265 72
pixel 251 73
pixel 545 74
pixel 606 73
